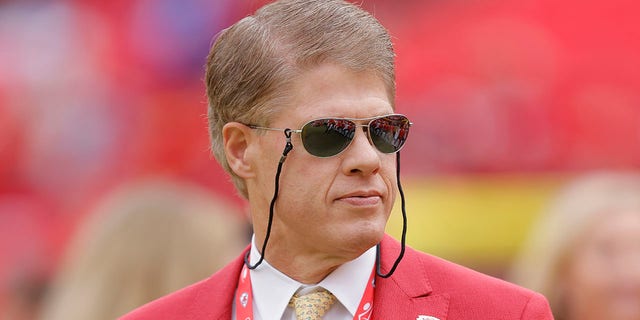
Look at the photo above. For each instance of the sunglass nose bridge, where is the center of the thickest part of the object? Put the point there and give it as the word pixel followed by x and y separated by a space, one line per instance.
pixel 365 130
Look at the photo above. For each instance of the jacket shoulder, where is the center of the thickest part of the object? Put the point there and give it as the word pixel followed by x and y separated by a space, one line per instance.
pixel 476 295
pixel 210 298
pixel 452 291
pixel 171 306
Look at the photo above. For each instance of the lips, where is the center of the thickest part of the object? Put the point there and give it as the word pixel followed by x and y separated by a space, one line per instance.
pixel 362 198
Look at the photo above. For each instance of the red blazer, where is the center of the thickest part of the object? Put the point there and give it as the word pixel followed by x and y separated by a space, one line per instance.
pixel 422 285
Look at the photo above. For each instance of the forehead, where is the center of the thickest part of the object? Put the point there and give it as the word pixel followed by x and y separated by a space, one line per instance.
pixel 330 90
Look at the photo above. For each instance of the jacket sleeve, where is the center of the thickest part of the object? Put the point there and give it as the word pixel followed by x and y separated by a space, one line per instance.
pixel 537 309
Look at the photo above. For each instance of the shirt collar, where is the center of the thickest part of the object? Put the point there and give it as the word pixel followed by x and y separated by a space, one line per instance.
pixel 273 289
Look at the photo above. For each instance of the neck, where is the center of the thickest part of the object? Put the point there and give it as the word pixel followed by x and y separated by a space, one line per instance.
pixel 302 272
pixel 304 267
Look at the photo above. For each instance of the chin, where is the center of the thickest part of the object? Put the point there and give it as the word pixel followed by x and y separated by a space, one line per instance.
pixel 362 239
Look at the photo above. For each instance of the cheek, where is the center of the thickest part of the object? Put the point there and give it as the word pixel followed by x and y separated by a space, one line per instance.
pixel 388 173
pixel 586 280
pixel 581 279
pixel 307 177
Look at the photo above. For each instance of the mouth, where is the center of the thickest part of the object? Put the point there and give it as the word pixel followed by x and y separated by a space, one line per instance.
pixel 361 199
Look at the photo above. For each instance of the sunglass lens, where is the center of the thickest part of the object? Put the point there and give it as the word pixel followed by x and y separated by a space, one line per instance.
pixel 327 137
pixel 389 133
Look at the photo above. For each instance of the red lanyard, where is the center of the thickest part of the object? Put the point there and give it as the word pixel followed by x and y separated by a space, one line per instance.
pixel 244 298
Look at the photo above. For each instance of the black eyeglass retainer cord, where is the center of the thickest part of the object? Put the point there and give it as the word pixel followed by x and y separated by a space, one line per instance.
pixel 404 228
pixel 288 147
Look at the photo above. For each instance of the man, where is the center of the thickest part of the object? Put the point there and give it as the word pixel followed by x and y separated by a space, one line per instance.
pixel 301 111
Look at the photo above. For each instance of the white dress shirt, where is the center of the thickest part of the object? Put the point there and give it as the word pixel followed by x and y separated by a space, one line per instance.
pixel 272 289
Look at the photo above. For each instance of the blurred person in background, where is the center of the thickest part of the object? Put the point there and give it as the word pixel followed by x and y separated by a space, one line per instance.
pixel 27 253
pixel 584 254
pixel 312 82
pixel 145 240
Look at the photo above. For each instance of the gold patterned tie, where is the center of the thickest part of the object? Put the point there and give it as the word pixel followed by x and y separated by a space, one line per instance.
pixel 313 305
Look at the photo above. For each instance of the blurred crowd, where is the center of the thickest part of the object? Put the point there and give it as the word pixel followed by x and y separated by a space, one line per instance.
pixel 92 94
pixel 97 93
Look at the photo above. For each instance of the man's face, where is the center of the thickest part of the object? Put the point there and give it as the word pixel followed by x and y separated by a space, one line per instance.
pixel 336 206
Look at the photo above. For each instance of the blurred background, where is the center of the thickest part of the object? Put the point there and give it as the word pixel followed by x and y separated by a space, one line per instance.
pixel 509 100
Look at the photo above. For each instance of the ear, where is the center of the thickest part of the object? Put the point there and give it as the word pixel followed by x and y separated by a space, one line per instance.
pixel 237 139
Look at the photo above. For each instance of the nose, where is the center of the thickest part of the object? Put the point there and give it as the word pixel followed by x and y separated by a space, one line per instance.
pixel 361 157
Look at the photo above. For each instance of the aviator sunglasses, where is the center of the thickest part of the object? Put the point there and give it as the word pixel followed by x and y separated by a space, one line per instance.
pixel 328 137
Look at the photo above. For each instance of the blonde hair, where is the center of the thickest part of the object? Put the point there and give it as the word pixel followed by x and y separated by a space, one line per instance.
pixel 146 240
pixel 573 212
pixel 253 63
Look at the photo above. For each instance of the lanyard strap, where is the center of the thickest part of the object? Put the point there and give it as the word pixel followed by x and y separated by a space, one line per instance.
pixel 244 297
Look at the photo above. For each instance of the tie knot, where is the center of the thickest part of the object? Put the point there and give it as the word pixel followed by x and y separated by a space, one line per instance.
pixel 312 306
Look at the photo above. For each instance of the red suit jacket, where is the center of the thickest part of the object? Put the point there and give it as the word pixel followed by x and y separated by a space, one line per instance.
pixel 422 285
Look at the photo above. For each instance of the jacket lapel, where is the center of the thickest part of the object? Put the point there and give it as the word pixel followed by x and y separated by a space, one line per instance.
pixel 408 291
